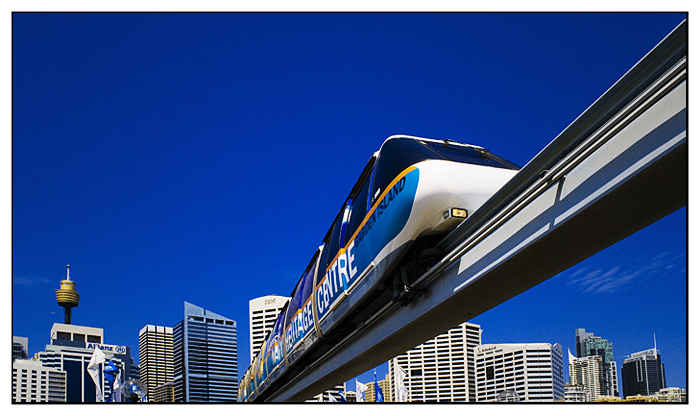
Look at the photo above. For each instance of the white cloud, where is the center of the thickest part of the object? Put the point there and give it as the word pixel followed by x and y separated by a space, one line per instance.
pixel 28 281
pixel 21 281
pixel 638 271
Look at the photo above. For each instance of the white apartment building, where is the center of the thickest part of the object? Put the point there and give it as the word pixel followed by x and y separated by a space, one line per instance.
pixel 155 357
pixel 439 370
pixel 588 372
pixel 534 372
pixel 262 318
pixel 32 382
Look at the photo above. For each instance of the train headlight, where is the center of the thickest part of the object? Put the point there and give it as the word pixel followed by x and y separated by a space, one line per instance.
pixel 455 213
pixel 459 213
pixel 451 218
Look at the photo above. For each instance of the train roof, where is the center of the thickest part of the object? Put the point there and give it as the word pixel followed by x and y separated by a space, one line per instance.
pixel 446 140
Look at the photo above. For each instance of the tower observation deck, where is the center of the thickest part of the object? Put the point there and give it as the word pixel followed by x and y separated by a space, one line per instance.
pixel 67 296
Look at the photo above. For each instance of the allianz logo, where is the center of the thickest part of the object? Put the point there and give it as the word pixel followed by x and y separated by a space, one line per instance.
pixel 117 349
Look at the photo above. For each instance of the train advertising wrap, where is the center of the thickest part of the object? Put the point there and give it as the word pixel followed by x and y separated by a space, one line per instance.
pixel 384 222
pixel 299 326
pixel 274 351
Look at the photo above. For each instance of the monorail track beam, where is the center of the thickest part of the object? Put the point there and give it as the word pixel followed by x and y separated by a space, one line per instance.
pixel 619 167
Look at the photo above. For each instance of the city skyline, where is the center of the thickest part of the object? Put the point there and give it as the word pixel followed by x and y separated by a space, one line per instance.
pixel 163 156
pixel 458 339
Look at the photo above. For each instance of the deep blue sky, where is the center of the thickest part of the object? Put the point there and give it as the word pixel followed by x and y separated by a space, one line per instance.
pixel 201 158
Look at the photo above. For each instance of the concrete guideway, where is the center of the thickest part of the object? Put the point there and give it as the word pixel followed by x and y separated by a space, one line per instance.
pixel 620 166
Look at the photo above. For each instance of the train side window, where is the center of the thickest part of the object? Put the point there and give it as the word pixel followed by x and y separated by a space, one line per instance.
pixel 334 243
pixel 344 223
pixel 278 330
pixel 294 304
pixel 358 211
pixel 275 334
pixel 303 290
pixel 324 261
pixel 308 284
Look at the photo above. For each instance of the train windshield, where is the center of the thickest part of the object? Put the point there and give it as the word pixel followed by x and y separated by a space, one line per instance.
pixel 399 153
pixel 467 154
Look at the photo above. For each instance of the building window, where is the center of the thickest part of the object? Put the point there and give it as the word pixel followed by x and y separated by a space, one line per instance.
pixel 63 335
pixel 490 373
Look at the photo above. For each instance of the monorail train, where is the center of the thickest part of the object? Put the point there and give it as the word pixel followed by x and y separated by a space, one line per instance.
pixel 411 193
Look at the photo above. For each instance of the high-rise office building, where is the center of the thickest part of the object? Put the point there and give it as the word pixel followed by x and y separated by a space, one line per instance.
pixel 587 372
pixel 530 372
pixel 643 373
pixel 205 357
pixel 263 315
pixel 588 345
pixel 439 370
pixel 155 358
pixel 71 349
pixel 32 382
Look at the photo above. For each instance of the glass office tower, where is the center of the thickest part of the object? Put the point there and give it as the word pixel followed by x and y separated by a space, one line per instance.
pixel 643 373
pixel 205 354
